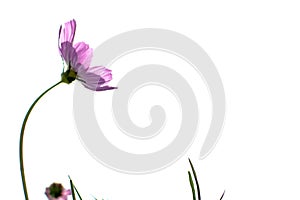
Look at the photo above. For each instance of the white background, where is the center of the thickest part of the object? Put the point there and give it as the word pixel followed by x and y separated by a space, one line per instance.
pixel 255 46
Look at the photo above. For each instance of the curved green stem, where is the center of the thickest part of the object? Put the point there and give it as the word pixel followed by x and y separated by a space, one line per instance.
pixel 22 136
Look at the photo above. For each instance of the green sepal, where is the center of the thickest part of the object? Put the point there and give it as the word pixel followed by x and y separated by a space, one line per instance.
pixel 68 76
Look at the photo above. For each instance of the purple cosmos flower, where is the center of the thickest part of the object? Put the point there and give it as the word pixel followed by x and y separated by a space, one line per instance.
pixel 78 58
pixel 57 192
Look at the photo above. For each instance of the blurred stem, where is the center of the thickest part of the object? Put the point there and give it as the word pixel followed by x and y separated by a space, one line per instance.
pixel 22 137
pixel 222 195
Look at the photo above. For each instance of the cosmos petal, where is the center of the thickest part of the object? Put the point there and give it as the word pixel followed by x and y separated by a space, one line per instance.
pixel 66 192
pixel 103 88
pixel 101 71
pixel 84 55
pixel 67 33
pixel 95 78
pixel 69 54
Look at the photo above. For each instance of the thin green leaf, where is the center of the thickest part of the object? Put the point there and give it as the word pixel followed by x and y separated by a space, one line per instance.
pixel 192 185
pixel 195 176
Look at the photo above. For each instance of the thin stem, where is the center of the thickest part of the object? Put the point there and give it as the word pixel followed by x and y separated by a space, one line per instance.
pixel 75 189
pixel 22 136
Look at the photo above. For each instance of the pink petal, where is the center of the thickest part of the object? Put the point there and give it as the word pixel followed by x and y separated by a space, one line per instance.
pixel 67 33
pixel 47 193
pixel 66 192
pixel 101 71
pixel 84 55
pixel 69 54
pixel 94 77
pixel 103 88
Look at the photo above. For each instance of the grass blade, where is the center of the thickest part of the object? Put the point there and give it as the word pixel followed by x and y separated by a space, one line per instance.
pixel 195 176
pixel 192 185
pixel 72 188
pixel 77 193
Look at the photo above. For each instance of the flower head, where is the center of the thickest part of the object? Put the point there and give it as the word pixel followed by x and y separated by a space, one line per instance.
pixel 78 58
pixel 57 192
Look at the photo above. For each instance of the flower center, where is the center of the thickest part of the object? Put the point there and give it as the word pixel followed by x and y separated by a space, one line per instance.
pixel 56 190
pixel 68 76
